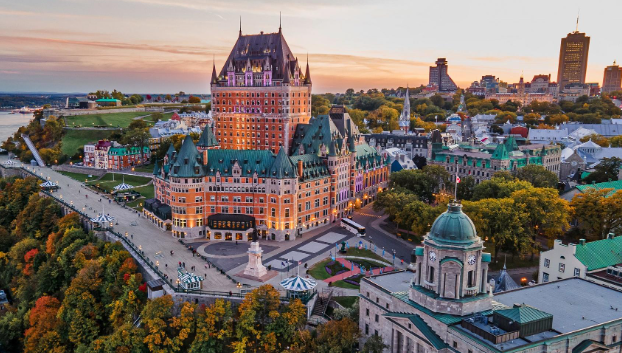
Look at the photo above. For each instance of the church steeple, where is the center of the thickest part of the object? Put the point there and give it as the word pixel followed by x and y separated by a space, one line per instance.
pixel 214 75
pixel 307 73
pixel 404 120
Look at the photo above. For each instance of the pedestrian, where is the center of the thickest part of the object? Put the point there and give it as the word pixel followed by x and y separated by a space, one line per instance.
pixel 230 293
pixel 109 201
pixel 236 242
pixel 166 265
pixel 179 263
pixel 184 264
pixel 206 266
pixel 132 235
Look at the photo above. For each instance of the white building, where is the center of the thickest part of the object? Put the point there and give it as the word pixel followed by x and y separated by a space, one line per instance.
pixel 547 136
pixel 584 260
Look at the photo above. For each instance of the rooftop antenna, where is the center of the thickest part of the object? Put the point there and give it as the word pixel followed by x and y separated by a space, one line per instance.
pixel 578 12
pixel 240 26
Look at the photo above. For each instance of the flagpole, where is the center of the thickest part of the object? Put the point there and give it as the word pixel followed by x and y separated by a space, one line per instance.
pixel 456 187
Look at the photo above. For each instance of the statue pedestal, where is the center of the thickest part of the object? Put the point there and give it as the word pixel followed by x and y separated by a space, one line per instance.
pixel 255 268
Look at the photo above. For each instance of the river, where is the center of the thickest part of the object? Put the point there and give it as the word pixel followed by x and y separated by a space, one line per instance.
pixel 9 123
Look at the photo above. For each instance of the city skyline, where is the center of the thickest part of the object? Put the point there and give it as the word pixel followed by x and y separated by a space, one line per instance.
pixel 156 46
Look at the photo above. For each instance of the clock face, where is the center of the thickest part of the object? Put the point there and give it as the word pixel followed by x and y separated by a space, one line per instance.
pixel 432 256
pixel 471 260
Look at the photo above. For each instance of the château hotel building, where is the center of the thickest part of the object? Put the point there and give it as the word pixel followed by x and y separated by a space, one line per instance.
pixel 267 166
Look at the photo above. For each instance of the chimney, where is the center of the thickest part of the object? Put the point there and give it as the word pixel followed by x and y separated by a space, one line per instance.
pixel 611 236
pixel 205 157
pixel 300 168
pixel 581 241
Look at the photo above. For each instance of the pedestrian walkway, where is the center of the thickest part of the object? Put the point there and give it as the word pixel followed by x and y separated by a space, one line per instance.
pixel 357 271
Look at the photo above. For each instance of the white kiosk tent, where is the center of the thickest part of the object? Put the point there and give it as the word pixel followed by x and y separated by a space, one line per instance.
pixel 103 219
pixel 188 281
pixel 123 186
pixel 49 185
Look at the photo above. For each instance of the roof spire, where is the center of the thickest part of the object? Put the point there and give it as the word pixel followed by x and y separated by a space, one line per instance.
pixel 578 12
pixel 240 26
pixel 279 21
pixel 307 73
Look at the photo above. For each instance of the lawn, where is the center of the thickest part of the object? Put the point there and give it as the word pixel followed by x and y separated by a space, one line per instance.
pixel 368 264
pixel 133 180
pixel 146 191
pixel 78 176
pixel 353 251
pixel 347 301
pixel 344 284
pixel 136 204
pixel 74 139
pixel 145 168
pixel 107 184
pixel 109 119
pixel 318 272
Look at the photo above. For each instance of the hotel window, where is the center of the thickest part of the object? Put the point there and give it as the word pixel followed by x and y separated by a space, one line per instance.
pixel 577 272
pixel 198 199
pixel 547 263
pixel 199 222
pixel 545 277
pixel 199 210
pixel 562 268
pixel 212 209
pixel 273 212
pixel 287 212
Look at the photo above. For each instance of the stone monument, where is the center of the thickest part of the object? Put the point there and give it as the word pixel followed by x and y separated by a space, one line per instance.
pixel 255 268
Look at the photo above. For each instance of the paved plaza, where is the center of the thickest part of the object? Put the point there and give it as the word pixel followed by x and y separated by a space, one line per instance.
pixel 157 244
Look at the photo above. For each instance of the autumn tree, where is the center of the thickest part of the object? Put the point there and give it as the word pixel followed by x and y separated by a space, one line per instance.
pixel 41 336
pixel 500 186
pixel 598 212
pixel 214 328
pixel 374 344
pixel 337 336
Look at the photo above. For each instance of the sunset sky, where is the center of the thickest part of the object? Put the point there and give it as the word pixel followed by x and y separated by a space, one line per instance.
pixel 150 46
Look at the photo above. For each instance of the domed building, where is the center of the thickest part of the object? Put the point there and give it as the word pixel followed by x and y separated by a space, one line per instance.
pixel 447 305
pixel 451 266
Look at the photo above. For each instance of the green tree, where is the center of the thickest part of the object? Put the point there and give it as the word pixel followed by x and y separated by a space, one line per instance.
pixel 157 116
pixel 499 221
pixel 466 187
pixel 537 175
pixel 606 170
pixel 498 187
pixel 374 344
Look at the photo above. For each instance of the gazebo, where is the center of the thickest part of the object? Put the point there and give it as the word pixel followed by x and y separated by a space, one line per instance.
pixel 299 288
pixel 102 219
pixel 49 185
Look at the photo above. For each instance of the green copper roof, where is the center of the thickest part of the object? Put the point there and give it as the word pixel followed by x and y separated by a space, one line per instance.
pixel 316 136
pixel 500 152
pixel 107 100
pixel 126 151
pixel 523 314
pixel 207 138
pixel 510 144
pixel 615 185
pixel 156 168
pixel 282 167
pixel 188 162
pixel 434 339
pixel 453 227
pixel 250 161
pixel 600 253
pixel 313 167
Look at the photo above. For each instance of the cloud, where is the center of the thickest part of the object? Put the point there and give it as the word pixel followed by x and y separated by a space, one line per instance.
pixel 9 72
pixel 189 50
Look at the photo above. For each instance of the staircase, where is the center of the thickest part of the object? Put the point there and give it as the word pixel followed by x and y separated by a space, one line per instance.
pixel 322 302
pixel 33 149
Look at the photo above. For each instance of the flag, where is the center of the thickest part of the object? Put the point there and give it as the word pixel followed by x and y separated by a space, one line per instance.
pixel 282 264
pixel 457 179
pixel 484 139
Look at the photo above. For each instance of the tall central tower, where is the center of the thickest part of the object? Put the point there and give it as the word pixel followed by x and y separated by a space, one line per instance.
pixel 573 54
pixel 260 94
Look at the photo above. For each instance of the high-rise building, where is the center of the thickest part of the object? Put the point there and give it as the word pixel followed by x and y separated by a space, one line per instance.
pixel 260 95
pixel 440 78
pixel 612 81
pixel 573 59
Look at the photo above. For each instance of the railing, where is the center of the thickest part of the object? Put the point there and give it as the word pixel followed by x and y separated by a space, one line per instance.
pixel 33 149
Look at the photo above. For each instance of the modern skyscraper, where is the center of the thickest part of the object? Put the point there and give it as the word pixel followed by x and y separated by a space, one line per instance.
pixel 573 59
pixel 440 78
pixel 612 81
